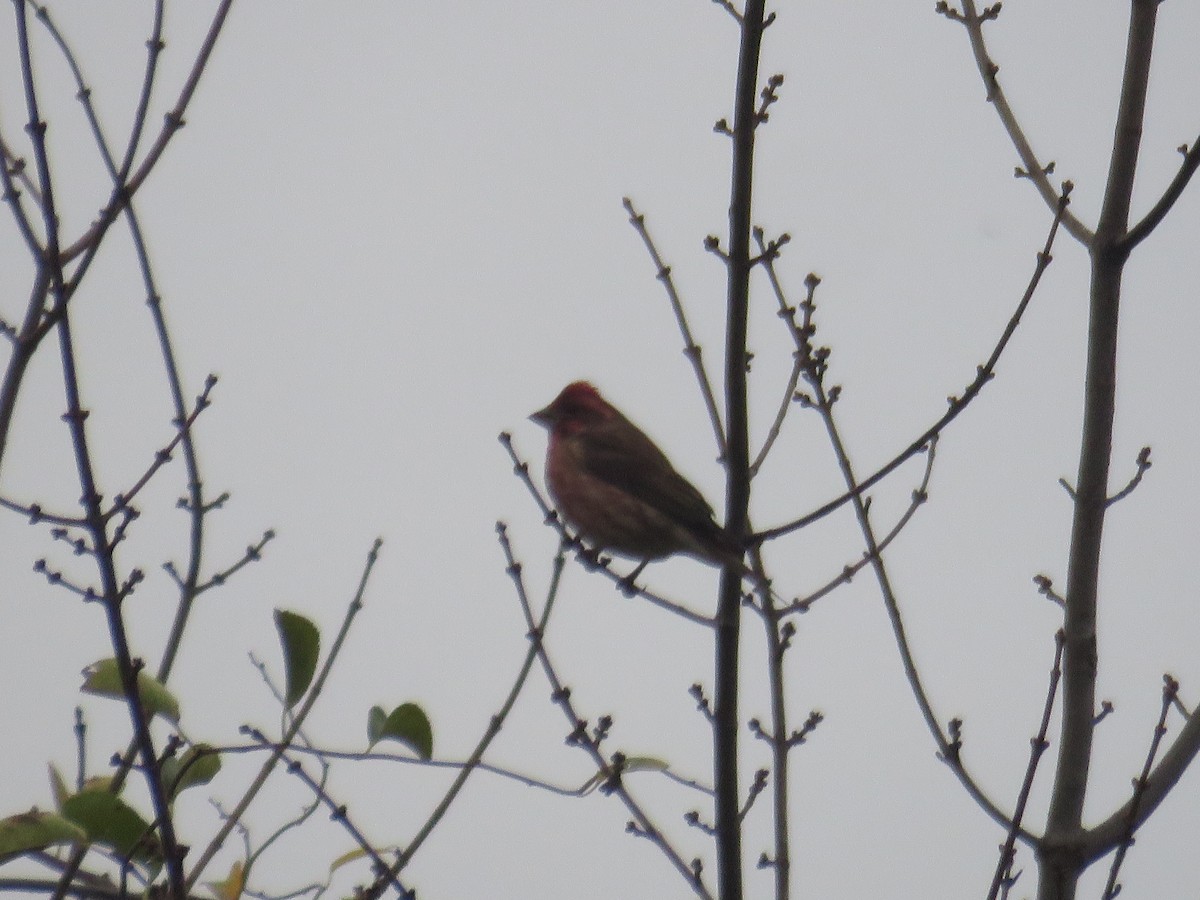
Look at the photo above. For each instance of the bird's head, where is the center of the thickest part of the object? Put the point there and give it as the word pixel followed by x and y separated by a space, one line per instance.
pixel 577 406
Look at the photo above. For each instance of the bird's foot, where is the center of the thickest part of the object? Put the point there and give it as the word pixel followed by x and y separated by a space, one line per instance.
pixel 626 585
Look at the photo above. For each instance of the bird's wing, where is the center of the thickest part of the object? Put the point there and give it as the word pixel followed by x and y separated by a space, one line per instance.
pixel 618 453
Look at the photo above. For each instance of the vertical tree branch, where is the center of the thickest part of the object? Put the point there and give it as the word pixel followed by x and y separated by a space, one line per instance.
pixel 24 345
pixel 777 645
pixel 112 592
pixel 737 501
pixel 196 507
pixel 1061 864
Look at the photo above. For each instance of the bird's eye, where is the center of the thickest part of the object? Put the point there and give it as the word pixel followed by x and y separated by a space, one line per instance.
pixel 581 412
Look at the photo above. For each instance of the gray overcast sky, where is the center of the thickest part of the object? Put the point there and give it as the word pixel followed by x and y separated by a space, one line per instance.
pixel 394 232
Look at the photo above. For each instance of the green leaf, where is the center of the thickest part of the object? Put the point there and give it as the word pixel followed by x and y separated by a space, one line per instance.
pixel 353 855
pixel 103 678
pixel 359 853
pixel 376 718
pixel 644 764
pixel 108 820
pixel 198 765
pixel 406 723
pixel 232 885
pixel 99 783
pixel 59 786
pixel 301 647
pixel 34 830
pixel 631 764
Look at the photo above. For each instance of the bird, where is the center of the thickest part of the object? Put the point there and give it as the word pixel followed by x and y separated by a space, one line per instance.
pixel 618 489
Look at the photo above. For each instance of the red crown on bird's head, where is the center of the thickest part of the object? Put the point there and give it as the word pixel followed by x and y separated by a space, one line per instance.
pixel 578 400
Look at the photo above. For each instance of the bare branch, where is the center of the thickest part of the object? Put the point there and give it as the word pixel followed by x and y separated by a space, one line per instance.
pixel 1038 745
pixel 690 348
pixel 163 455
pixel 777 424
pixel 1035 170
pixel 340 814
pixel 768 253
pixel 297 722
pixel 608 771
pixel 983 375
pixel 919 497
pixel 1080 669
pixel 253 554
pixel 1142 230
pixel 172 122
pixel 729 8
pixel 1143 466
pixel 948 746
pixel 769 97
pixel 1152 788
pixel 1045 587
pixel 1169 695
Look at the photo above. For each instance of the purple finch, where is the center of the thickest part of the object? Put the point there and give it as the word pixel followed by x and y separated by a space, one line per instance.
pixel 619 490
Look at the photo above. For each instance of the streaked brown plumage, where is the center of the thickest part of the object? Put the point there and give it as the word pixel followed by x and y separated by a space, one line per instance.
pixel 620 491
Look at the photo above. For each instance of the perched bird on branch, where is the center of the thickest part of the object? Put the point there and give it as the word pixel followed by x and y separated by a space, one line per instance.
pixel 620 491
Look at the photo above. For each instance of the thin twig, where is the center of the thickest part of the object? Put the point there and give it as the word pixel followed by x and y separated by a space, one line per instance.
pixel 218 840
pixel 340 814
pixel 163 455
pixel 536 634
pixel 15 167
pixel 1166 774
pixel 80 749
pixel 154 46
pixel 768 252
pixel 778 637
pixel 12 197
pixel 1037 746
pixel 1143 466
pixel 374 756
pixel 1033 168
pixel 785 404
pixel 1142 230
pixel 253 554
pixel 920 496
pixel 946 751
pixel 729 8
pixel 608 772
pixel 1169 695
pixel 822 401
pixel 302 743
pixel 690 348
pixel 37 515
pixel 1045 587
pixel 172 122
pixel 984 374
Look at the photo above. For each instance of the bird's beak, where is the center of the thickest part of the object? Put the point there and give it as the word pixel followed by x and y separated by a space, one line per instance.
pixel 544 417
